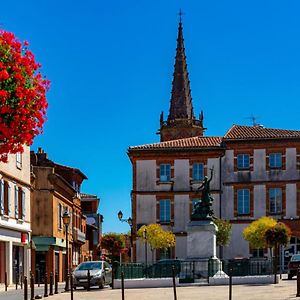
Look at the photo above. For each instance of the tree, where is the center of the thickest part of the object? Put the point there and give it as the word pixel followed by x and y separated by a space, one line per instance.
pixel 277 235
pixel 22 95
pixel 223 234
pixel 255 232
pixel 156 237
pixel 113 243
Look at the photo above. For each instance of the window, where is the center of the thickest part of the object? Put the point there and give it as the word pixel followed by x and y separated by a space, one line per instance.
pixel 243 202
pixel 165 172
pixel 6 198
pixel 59 216
pixel 275 160
pixel 198 171
pixel 165 254
pixel 243 161
pixel 275 200
pixel 19 160
pixel 165 211
pixel 257 252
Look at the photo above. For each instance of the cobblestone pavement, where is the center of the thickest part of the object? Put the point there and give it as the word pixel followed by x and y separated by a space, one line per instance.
pixel 286 289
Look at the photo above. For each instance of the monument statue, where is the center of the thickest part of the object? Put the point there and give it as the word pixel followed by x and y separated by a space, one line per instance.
pixel 202 209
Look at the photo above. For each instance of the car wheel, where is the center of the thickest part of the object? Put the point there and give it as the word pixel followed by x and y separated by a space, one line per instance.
pixel 290 276
pixel 101 284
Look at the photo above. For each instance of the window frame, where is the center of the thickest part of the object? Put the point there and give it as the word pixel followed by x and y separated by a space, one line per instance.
pixel 196 170
pixel 243 212
pixel 275 204
pixel 273 160
pixel 19 160
pixel 165 170
pixel 242 166
pixel 165 211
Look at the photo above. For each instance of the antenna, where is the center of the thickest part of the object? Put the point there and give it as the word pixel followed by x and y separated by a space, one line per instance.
pixel 253 120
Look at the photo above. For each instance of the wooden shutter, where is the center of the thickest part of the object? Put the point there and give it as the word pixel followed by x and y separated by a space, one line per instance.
pixel 16 202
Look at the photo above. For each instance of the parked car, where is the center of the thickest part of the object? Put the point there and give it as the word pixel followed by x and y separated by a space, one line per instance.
pixel 164 268
pixel 293 265
pixel 100 274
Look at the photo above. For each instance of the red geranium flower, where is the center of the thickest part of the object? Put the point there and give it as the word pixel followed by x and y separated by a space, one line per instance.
pixel 22 95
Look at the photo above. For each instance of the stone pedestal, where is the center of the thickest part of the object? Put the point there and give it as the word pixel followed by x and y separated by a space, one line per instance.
pixel 201 239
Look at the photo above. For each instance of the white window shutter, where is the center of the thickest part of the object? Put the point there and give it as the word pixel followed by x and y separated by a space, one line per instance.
pixel 16 202
pixel 1 196
pixel 23 205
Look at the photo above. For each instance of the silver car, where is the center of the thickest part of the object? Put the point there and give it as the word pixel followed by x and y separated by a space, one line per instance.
pixel 100 274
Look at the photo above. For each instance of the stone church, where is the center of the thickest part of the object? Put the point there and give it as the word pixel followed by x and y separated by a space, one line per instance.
pixel 256 173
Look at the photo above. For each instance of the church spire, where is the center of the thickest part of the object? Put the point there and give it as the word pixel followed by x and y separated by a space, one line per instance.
pixel 181 121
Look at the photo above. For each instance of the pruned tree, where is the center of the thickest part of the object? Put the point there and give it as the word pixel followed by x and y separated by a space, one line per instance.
pixel 156 237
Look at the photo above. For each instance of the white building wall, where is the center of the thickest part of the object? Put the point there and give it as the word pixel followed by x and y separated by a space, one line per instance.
pixel 227 203
pixel 145 175
pixel 181 212
pixel 259 164
pixel 291 200
pixel 259 195
pixel 238 247
pixel 181 174
pixel 145 209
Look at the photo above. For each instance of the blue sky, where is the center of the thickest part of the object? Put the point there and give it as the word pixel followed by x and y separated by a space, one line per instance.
pixel 111 63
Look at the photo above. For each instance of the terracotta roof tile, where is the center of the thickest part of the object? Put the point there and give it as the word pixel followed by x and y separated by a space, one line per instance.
pixel 238 132
pixel 193 142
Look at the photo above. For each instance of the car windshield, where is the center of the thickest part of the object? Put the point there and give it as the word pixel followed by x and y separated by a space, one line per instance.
pixel 295 257
pixel 90 266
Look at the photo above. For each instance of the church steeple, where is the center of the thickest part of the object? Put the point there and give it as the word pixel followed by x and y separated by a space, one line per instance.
pixel 181 121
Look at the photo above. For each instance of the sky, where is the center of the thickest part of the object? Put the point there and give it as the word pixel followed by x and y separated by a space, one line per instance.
pixel 110 64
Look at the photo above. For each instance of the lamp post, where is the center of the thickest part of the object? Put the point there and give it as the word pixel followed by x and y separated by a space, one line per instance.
pixel 66 221
pixel 146 248
pixel 129 221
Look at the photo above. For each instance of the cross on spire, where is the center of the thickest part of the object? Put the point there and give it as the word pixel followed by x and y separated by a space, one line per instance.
pixel 180 15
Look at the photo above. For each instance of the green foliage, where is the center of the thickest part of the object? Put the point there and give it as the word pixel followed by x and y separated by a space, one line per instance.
pixel 223 234
pixel 156 236
pixel 255 232
pixel 113 243
pixel 278 235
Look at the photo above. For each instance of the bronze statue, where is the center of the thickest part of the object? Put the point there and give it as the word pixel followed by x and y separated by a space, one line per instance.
pixel 202 209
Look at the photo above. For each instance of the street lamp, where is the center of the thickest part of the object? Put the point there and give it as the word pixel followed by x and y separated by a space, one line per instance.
pixel 66 221
pixel 129 221
pixel 146 248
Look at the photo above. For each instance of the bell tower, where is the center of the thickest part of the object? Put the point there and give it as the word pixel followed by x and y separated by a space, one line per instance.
pixel 181 121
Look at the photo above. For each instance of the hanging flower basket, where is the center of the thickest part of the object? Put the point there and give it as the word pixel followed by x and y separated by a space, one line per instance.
pixel 23 101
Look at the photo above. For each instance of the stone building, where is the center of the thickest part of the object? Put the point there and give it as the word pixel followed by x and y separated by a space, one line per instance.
pixel 15 225
pixel 256 173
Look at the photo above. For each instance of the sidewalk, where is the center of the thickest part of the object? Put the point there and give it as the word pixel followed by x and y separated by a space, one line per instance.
pixel 284 290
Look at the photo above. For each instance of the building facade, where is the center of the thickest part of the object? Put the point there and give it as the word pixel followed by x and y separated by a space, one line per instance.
pixel 255 173
pixel 56 189
pixel 15 228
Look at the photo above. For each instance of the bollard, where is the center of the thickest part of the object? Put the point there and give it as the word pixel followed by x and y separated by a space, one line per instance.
pixel 31 287
pixel 25 288
pixel 230 284
pixel 88 280
pixel 5 281
pixel 71 282
pixel 17 280
pixel 174 283
pixel 298 283
pixel 38 275
pixel 46 285
pixel 56 284
pixel 51 284
pixel 122 283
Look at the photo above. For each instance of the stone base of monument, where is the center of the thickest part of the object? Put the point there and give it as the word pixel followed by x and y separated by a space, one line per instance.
pixel 201 239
